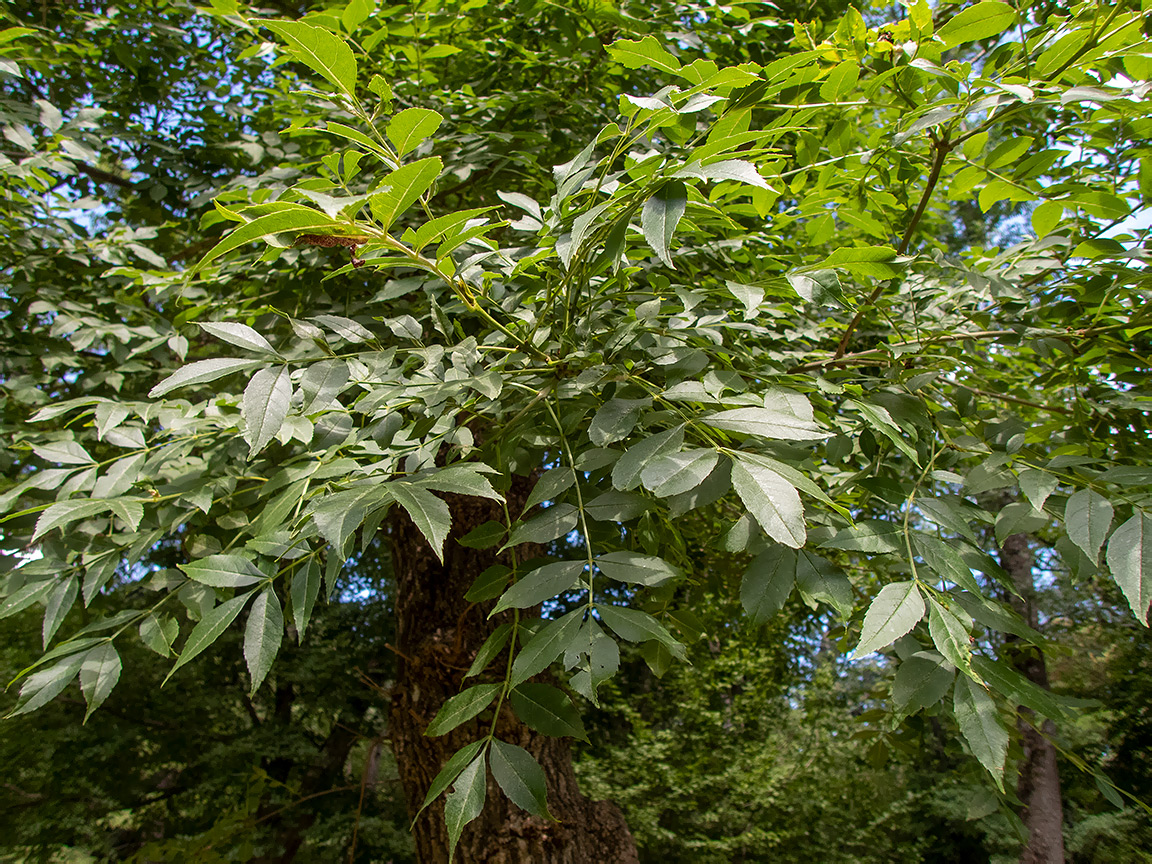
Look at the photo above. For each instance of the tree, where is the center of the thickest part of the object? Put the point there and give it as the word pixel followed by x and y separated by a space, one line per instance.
pixel 743 297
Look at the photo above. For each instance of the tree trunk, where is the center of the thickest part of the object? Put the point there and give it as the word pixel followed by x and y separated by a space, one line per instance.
pixel 438 634
pixel 1038 786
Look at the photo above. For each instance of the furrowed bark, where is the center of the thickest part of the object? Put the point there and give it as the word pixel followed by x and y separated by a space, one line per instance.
pixel 1038 786
pixel 438 634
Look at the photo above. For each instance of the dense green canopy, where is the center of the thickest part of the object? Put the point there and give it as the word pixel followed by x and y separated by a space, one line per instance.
pixel 853 311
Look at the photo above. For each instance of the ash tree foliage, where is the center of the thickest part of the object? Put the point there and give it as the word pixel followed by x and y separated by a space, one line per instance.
pixel 745 291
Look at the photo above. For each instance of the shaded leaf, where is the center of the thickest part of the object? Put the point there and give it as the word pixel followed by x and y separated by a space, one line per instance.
pixel 223 571
pixel 461 708
pixel 541 584
pixel 767 583
pixel 661 215
pixel 99 672
pixel 548 710
pixel 201 372
pixel 208 629
pixel 520 776
pixel 465 802
pixel 548 643
pixel 430 514
pixel 1130 560
pixel 921 681
pixel 1087 518
pixel 263 635
pixel 981 727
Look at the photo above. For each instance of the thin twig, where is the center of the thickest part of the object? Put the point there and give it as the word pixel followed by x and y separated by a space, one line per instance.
pixel 943 147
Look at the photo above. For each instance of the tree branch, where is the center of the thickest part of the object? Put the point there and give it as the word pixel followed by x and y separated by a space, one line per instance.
pixel 943 147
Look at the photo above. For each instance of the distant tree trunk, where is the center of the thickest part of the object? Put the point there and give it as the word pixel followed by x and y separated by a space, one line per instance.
pixel 1038 786
pixel 438 634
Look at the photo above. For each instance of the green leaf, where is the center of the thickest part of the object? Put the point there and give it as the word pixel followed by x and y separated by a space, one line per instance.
pixel 733 169
pixel 266 401
pixel 1037 486
pixel 643 52
pixel 208 629
pixel 661 215
pixel 996 617
pixel 554 522
pixel 99 672
pixel 449 773
pixel 337 516
pixel 430 514
pixel 319 49
pixel 223 571
pixel 945 561
pixel 981 727
pixel 63 453
pixel 636 569
pixel 461 708
pixel 615 506
pixel 615 419
pixel 321 383
pixel 461 480
pixel 304 591
pixel 65 512
pixel 1087 518
pixel 57 607
pixel 868 535
pixel 43 686
pixel 521 777
pixel 1045 218
pixel 821 287
pixel 550 484
pixel 949 633
pixel 637 626
pixel 777 424
pixel 401 188
pixel 25 596
pixel 1003 679
pixel 840 81
pixel 1130 560
pixel 262 636
pixel 895 611
pixel 201 372
pixel 820 581
pixel 240 335
pixel 492 646
pixel 676 473
pixel 545 646
pixel 291 218
pixel 767 583
pixel 772 501
pixel 861 260
pixel 465 802
pixel 541 584
pixel 548 710
pixel 411 127
pixel 489 585
pixel 921 681
pixel 982 21
pixel 484 536
pixel 159 633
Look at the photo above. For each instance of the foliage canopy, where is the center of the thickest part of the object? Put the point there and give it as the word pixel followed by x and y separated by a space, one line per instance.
pixel 708 297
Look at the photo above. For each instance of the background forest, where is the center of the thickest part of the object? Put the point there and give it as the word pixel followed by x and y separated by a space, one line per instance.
pixel 752 733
